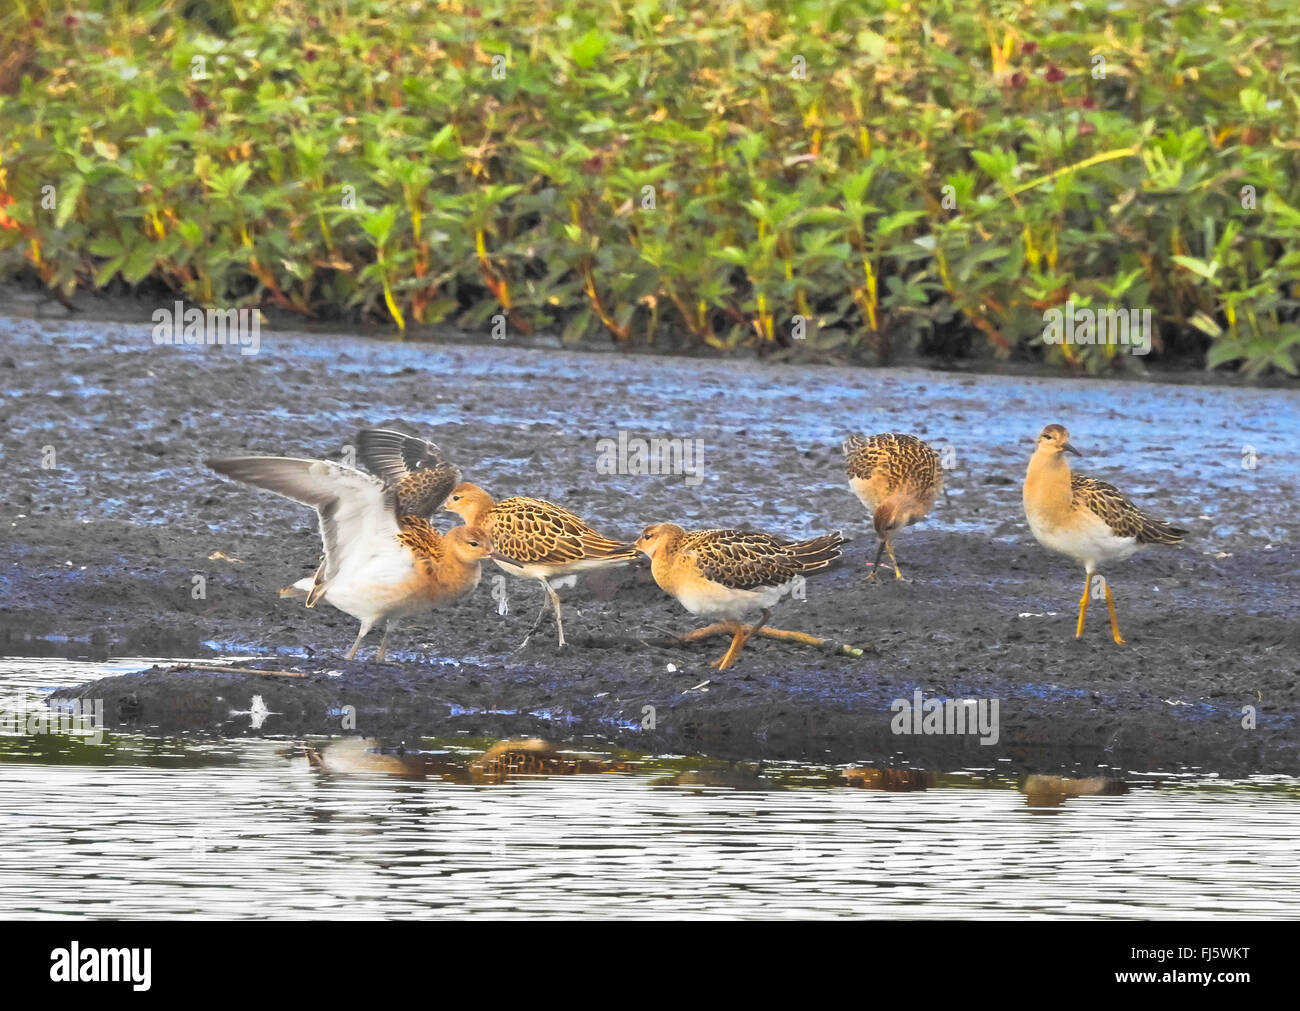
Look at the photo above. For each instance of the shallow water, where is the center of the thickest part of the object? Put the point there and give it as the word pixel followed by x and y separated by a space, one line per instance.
pixel 140 826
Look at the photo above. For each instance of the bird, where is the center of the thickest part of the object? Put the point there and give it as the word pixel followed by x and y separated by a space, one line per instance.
pixel 726 575
pixel 536 539
pixel 897 478
pixel 379 565
pixel 1085 519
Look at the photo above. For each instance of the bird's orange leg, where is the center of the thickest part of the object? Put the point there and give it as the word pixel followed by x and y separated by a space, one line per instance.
pixel 738 643
pixel 724 628
pixel 707 632
pixel 1083 604
pixel 737 640
pixel 1114 620
pixel 890 548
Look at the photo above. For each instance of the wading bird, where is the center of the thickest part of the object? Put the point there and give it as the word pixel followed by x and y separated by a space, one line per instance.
pixel 1085 519
pixel 728 574
pixel 380 564
pixel 897 478
pixel 538 540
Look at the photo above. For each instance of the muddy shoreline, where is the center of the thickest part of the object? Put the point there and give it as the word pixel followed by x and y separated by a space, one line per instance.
pixel 27 299
pixel 113 535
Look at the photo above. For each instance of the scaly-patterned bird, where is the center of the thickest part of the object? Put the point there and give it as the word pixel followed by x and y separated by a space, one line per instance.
pixel 728 574
pixel 897 478
pixel 538 540
pixel 1085 519
pixel 379 564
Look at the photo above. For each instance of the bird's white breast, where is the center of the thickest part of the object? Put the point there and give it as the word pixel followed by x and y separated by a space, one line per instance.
pixel 712 600
pixel 376 585
pixel 1088 540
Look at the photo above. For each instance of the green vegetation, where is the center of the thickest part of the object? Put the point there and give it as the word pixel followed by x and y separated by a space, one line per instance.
pixel 898 174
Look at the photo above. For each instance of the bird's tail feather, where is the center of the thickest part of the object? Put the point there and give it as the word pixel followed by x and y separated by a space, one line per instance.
pixel 817 552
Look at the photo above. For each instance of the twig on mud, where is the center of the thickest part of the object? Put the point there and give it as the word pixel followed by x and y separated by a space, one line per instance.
pixel 239 670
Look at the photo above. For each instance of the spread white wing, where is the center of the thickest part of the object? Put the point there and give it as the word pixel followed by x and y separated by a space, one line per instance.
pixel 357 521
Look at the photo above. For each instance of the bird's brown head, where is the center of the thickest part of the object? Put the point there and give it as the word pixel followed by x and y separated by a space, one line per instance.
pixel 655 537
pixel 469 544
pixel 1055 439
pixel 888 517
pixel 468 501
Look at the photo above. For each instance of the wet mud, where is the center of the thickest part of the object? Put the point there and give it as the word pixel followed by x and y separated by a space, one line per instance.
pixel 114 538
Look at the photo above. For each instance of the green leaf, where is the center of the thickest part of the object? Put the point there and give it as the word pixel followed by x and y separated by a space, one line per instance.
pixel 1200 267
pixel 69 193
pixel 138 264
pixel 872 44
pixel 443 144
pixel 1206 325
pixel 587 49
pixel 105 273
pixel 106 246
pixel 1276 206
pixel 577 327
pixel 379 225
pixel 892 223
pixel 1223 351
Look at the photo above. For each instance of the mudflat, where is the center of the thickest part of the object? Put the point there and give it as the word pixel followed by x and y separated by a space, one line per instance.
pixel 114 537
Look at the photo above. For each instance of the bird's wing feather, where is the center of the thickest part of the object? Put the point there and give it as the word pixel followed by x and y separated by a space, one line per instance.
pixel 534 531
pixel 416 472
pixel 744 560
pixel 355 517
pixel 1124 518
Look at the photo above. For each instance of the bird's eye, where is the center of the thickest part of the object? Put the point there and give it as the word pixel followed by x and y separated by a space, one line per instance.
pixel 473 544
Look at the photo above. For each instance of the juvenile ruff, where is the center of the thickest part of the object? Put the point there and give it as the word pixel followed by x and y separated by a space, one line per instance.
pixel 728 574
pixel 1085 519
pixel 897 478
pixel 378 565
pixel 538 540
